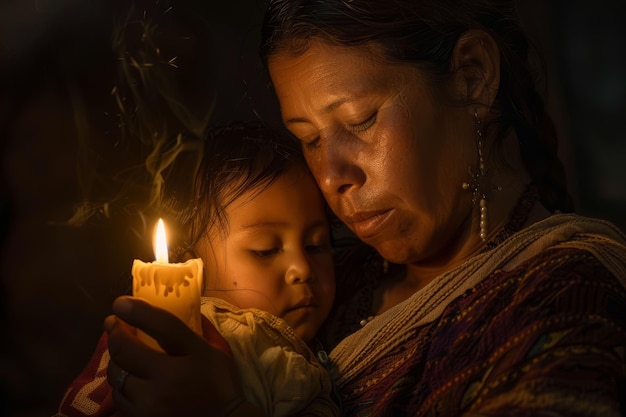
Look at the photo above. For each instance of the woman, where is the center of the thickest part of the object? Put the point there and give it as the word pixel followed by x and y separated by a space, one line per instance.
pixel 423 128
pixel 471 293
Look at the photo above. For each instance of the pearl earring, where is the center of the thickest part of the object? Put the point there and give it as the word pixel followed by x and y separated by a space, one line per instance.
pixel 480 184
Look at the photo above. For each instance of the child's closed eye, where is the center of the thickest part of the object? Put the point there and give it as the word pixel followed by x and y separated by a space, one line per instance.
pixel 316 248
pixel 264 253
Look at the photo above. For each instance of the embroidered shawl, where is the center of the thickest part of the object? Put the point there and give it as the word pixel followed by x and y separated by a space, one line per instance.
pixel 502 333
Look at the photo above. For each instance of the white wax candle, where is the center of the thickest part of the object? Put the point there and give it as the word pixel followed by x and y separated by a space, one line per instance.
pixel 174 287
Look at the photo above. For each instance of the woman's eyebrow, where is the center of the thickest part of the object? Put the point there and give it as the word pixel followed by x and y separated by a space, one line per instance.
pixel 330 107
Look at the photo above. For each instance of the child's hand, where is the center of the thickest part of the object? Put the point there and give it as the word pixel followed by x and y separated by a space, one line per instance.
pixel 190 378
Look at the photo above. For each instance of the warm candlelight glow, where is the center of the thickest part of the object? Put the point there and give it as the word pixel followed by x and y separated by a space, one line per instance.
pixel 175 287
pixel 160 243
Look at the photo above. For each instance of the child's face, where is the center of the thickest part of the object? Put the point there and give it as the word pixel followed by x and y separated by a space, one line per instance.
pixel 276 255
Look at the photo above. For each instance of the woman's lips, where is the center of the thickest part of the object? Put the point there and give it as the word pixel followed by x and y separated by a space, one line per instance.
pixel 367 224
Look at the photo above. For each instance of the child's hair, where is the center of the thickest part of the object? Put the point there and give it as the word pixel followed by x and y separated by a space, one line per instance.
pixel 236 158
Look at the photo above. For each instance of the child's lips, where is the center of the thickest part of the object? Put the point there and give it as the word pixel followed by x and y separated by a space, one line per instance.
pixel 305 303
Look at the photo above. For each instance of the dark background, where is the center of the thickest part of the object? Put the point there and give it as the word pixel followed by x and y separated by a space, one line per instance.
pixel 62 143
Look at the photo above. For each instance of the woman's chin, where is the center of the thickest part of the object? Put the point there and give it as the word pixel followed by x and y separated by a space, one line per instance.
pixel 394 253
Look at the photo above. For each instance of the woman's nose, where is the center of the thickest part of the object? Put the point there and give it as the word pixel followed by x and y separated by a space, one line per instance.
pixel 335 166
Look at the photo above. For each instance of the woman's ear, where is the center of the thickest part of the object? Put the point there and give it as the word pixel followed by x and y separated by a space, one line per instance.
pixel 476 68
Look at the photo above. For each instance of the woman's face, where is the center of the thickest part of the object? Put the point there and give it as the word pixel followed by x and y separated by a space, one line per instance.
pixel 388 153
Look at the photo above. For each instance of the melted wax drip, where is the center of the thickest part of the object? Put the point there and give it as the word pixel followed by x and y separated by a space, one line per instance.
pixel 164 278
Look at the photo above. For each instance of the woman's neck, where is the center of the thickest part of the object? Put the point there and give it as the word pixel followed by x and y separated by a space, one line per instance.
pixel 466 245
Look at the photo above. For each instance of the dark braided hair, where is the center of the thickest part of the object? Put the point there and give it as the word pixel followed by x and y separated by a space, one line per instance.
pixel 424 33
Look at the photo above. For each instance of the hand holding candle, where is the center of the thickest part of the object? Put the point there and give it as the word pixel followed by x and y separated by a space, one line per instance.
pixel 173 287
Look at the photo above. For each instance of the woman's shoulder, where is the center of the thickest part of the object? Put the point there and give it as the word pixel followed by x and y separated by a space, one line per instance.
pixel 563 266
pixel 562 281
pixel 570 247
pixel 554 322
pixel 557 285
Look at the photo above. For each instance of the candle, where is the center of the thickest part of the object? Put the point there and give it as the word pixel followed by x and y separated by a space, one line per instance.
pixel 174 287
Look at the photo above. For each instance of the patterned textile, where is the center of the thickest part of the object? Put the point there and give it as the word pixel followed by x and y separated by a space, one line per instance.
pixel 90 393
pixel 534 327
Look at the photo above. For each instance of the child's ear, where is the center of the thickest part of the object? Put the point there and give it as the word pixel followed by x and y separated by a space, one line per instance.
pixel 476 68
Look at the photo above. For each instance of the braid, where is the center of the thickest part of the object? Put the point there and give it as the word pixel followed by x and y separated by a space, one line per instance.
pixel 523 109
pixel 538 147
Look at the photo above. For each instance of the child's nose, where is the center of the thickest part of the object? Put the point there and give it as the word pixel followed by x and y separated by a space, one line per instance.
pixel 299 270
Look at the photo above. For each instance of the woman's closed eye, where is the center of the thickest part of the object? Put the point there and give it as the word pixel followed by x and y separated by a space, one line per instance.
pixel 310 142
pixel 365 124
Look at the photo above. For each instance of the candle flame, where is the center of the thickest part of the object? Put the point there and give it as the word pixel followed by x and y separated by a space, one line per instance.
pixel 160 243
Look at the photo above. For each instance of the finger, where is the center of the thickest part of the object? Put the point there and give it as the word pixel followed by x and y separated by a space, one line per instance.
pixel 128 392
pixel 119 386
pixel 123 404
pixel 113 370
pixel 123 398
pixel 174 336
pixel 128 351
pixel 111 321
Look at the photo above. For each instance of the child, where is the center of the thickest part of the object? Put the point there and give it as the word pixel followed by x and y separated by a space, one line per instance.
pixel 258 221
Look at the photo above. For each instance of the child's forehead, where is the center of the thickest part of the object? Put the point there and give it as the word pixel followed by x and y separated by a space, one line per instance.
pixel 292 197
pixel 293 181
pixel 287 188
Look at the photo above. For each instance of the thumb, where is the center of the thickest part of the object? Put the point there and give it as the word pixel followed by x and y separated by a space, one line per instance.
pixel 172 334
